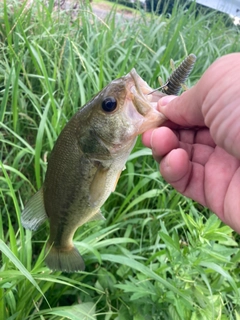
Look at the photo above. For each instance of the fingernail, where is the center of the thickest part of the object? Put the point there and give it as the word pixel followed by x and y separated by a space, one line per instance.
pixel 164 101
pixel 151 144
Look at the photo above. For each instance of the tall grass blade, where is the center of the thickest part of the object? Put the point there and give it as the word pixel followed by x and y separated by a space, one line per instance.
pixel 17 263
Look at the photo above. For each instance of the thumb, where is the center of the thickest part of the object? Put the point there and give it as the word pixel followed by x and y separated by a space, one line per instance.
pixel 184 110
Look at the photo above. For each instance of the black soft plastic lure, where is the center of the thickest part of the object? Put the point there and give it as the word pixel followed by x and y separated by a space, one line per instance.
pixel 174 83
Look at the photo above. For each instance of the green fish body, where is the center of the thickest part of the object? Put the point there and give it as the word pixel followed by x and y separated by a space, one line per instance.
pixel 86 162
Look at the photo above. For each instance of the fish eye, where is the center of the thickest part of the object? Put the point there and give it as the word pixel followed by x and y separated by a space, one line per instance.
pixel 109 104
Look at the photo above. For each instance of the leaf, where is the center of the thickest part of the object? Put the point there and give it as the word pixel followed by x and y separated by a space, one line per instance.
pixel 220 270
pixel 169 241
pixel 135 265
pixel 18 264
pixel 83 311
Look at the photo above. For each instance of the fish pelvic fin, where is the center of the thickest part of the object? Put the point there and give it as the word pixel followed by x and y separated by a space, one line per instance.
pixel 34 213
pixel 97 216
pixel 64 259
pixel 98 185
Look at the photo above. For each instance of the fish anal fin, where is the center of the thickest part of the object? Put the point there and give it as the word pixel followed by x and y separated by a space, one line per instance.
pixel 34 213
pixel 64 259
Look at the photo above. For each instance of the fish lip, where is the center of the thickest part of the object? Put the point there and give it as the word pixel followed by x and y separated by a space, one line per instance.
pixel 141 100
pixel 145 103
pixel 148 95
pixel 137 79
pixel 142 94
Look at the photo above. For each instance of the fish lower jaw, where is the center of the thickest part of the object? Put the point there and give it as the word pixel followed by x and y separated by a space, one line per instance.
pixel 124 148
pixel 152 121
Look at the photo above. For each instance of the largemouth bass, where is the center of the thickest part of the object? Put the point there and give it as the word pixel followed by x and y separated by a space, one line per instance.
pixel 86 162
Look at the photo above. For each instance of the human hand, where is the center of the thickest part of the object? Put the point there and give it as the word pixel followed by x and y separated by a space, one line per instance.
pixel 199 148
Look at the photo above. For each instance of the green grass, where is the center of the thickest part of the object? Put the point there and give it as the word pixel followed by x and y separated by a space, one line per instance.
pixel 158 255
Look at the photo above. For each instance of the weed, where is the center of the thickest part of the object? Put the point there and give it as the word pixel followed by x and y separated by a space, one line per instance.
pixel 158 255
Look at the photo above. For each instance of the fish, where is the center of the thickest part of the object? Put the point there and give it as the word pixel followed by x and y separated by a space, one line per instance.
pixel 86 162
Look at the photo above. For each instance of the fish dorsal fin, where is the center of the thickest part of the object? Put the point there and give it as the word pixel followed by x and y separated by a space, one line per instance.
pixel 34 213
pixel 97 216
pixel 98 186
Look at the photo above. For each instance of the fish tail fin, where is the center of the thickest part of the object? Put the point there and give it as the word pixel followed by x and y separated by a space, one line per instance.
pixel 34 213
pixel 64 259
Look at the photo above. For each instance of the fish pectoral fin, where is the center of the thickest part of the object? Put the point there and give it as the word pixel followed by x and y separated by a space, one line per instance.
pixel 34 213
pixel 97 216
pixel 98 185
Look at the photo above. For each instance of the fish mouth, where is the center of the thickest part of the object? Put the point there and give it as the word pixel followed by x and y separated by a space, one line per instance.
pixel 145 101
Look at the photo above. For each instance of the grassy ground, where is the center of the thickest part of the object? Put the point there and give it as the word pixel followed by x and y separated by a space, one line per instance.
pixel 111 5
pixel 158 255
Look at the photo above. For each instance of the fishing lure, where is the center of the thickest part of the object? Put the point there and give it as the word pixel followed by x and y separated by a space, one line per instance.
pixel 179 76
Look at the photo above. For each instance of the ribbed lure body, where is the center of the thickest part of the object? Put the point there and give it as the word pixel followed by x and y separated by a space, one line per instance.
pixel 179 76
